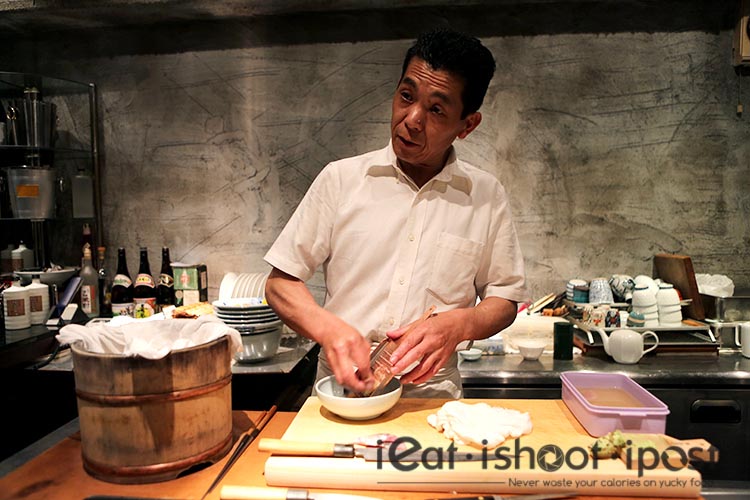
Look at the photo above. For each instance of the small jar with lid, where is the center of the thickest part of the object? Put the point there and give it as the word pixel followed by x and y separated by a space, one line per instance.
pixel 38 300
pixel 16 307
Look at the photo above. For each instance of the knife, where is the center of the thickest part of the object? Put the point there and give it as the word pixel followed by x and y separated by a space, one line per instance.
pixel 256 493
pixel 370 454
pixel 538 496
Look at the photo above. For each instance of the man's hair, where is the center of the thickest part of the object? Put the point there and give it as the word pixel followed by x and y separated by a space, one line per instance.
pixel 462 55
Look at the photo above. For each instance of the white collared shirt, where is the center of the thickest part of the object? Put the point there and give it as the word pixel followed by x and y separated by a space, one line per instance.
pixel 389 249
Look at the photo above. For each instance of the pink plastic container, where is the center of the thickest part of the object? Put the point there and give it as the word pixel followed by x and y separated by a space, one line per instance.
pixel 604 402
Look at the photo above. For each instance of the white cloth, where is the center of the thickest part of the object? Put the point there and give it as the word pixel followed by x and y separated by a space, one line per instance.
pixel 148 338
pixel 389 249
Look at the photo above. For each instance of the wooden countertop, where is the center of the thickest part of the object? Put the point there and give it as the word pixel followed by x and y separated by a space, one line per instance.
pixel 58 473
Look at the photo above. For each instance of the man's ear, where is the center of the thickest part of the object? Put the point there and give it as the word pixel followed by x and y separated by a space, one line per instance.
pixel 472 121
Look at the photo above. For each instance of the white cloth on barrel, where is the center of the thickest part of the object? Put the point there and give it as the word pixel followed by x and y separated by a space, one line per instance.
pixel 151 339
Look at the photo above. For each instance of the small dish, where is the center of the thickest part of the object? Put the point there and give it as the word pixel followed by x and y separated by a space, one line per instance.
pixel 472 354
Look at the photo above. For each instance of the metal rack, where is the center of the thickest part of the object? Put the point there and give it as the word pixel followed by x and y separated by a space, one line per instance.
pixel 73 150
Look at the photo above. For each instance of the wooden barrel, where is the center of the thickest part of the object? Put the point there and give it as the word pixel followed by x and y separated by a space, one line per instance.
pixel 148 420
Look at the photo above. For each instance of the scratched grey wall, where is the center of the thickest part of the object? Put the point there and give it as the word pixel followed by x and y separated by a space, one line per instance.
pixel 616 137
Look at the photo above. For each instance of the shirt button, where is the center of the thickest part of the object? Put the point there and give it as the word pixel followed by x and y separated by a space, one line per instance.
pixel 401 281
pixel 391 321
pixel 411 237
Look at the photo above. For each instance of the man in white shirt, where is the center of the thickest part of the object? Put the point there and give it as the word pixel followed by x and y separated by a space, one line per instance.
pixel 403 228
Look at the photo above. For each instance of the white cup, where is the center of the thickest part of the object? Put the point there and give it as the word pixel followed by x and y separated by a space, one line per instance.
pixel 742 338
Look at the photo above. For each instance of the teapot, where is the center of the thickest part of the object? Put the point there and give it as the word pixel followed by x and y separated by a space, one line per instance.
pixel 626 346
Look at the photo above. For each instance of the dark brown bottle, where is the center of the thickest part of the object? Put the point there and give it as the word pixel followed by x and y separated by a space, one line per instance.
pixel 122 288
pixel 165 291
pixel 144 291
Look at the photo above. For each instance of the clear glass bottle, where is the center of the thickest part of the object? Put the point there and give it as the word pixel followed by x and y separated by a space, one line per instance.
pixel 89 285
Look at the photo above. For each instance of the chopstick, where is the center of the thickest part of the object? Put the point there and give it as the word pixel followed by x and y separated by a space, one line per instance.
pixel 247 438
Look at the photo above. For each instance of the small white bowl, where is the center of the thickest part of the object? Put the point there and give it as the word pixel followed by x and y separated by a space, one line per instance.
pixel 472 354
pixel 531 349
pixel 331 396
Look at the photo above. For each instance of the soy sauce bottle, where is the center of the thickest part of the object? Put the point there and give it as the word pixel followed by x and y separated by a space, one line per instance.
pixel 165 290
pixel 122 288
pixel 144 292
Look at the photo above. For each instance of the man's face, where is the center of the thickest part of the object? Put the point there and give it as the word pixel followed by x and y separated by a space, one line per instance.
pixel 426 117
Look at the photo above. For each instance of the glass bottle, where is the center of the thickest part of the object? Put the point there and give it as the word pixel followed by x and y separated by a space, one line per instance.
pixel 122 288
pixel 89 285
pixel 105 292
pixel 165 292
pixel 144 292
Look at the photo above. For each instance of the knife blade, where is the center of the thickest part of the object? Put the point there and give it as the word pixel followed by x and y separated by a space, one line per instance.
pixel 230 492
pixel 370 454
pixel 537 496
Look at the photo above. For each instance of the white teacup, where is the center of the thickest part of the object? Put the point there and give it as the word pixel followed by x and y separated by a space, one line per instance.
pixel 667 295
pixel 742 338
pixel 643 297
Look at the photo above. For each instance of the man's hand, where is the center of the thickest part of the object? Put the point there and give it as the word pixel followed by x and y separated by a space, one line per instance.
pixel 345 350
pixel 343 345
pixel 434 341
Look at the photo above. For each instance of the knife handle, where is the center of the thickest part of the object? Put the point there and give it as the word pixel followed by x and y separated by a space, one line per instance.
pixel 297 448
pixel 255 493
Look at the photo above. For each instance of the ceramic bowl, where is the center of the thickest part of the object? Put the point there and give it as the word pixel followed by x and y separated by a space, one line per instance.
pixel 472 354
pixel 333 399
pixel 676 308
pixel 670 318
pixel 530 349
pixel 259 346
pixel 57 277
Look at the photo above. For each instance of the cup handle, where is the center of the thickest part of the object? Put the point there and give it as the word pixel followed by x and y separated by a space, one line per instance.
pixel 656 337
pixel 737 329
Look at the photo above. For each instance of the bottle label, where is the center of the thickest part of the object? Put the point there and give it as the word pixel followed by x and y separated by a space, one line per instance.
pixel 35 303
pixel 144 308
pixel 88 293
pixel 15 307
pixel 166 280
pixel 122 280
pixel 125 309
pixel 144 280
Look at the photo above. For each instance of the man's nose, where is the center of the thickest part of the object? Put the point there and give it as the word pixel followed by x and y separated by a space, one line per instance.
pixel 415 118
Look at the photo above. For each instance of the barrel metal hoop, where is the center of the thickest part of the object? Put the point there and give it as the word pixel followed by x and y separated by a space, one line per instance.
pixel 130 400
pixel 155 472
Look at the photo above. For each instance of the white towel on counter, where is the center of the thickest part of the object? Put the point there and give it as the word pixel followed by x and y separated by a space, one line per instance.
pixel 151 338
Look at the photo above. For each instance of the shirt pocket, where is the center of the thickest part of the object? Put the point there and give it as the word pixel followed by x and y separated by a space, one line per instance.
pixel 454 268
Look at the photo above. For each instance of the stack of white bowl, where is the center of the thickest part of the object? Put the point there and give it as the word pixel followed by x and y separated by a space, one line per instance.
pixel 644 302
pixel 670 310
pixel 256 322
pixel 243 285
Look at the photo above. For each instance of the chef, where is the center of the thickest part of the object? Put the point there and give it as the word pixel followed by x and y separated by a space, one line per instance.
pixel 404 228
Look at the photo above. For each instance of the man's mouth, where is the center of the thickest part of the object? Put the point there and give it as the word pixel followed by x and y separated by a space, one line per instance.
pixel 407 142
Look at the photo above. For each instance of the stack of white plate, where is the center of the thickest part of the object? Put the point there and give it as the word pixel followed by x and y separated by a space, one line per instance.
pixel 259 326
pixel 243 285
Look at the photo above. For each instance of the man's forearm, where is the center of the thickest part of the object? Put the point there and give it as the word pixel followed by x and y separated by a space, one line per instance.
pixel 490 316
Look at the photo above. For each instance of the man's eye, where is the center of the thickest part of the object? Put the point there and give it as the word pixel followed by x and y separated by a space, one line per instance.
pixel 406 96
pixel 436 110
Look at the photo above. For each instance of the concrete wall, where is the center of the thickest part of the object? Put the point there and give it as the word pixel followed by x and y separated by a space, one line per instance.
pixel 611 124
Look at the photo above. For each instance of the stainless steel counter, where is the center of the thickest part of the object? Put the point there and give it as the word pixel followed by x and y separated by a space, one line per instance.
pixel 726 368
pixel 708 395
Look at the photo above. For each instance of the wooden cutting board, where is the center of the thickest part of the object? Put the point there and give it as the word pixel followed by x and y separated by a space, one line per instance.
pixel 678 270
pixel 554 426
